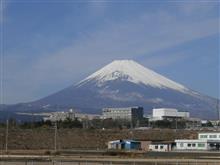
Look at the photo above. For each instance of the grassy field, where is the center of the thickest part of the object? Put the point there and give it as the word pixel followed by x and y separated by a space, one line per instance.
pixel 43 138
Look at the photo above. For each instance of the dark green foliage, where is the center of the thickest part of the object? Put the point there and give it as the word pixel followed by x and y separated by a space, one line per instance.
pixel 2 125
pixel 144 122
pixel 12 122
pixel 173 124
pixel 181 124
pixel 69 123
pixel 36 124
pixel 96 123
pixel 109 123
pixel 162 124
pixel 209 124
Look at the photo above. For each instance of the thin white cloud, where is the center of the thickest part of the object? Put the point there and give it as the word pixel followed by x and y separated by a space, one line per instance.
pixel 97 8
pixel 3 7
pixel 128 39
pixel 165 59
pixel 193 6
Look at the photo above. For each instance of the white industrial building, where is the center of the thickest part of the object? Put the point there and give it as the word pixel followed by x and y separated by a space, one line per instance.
pixel 205 141
pixel 163 146
pixel 61 116
pixel 168 113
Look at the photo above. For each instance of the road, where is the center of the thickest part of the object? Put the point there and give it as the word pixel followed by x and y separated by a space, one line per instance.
pixel 99 160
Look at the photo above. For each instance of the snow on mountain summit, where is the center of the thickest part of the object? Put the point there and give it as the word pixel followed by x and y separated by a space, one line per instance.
pixel 129 70
pixel 126 83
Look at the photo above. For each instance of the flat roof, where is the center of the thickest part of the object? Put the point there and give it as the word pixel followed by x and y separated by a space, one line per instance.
pixel 209 133
pixel 197 140
pixel 191 140
pixel 122 107
pixel 170 109
pixel 123 141
pixel 162 142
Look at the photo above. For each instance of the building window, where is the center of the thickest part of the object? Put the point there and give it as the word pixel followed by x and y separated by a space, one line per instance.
pixel 181 144
pixel 211 145
pixel 193 145
pixel 156 147
pixel 161 147
pixel 203 136
pixel 189 145
pixel 212 136
pixel 201 145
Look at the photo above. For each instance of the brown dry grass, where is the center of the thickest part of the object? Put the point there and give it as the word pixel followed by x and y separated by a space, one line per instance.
pixel 43 139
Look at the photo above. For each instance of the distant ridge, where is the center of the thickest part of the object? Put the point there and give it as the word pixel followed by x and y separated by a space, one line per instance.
pixel 126 83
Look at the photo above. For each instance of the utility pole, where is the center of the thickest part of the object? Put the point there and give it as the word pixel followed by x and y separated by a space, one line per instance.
pixel 131 124
pixel 218 112
pixel 6 137
pixel 55 137
pixel 176 122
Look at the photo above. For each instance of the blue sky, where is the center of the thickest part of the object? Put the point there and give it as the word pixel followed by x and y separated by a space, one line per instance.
pixel 49 45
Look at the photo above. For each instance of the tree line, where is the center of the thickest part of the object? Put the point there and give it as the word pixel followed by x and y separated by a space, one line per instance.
pixel 101 124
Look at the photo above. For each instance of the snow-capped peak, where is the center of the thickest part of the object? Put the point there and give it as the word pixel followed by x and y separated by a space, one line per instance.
pixel 129 70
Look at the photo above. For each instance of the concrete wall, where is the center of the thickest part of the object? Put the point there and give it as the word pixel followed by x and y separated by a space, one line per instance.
pixel 160 147
pixel 145 145
pixel 191 145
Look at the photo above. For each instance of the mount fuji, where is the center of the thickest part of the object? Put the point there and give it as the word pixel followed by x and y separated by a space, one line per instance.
pixel 125 83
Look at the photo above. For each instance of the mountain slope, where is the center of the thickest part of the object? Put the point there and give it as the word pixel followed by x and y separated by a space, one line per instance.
pixel 127 83
pixel 119 84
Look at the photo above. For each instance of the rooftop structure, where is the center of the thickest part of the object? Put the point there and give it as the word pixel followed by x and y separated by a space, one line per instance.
pixel 168 113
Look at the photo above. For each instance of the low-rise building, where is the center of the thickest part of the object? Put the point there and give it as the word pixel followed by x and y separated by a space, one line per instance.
pixel 193 144
pixel 116 144
pixel 145 145
pixel 61 116
pixel 205 141
pixel 162 146
pixel 168 113
pixel 124 145
pixel 58 116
